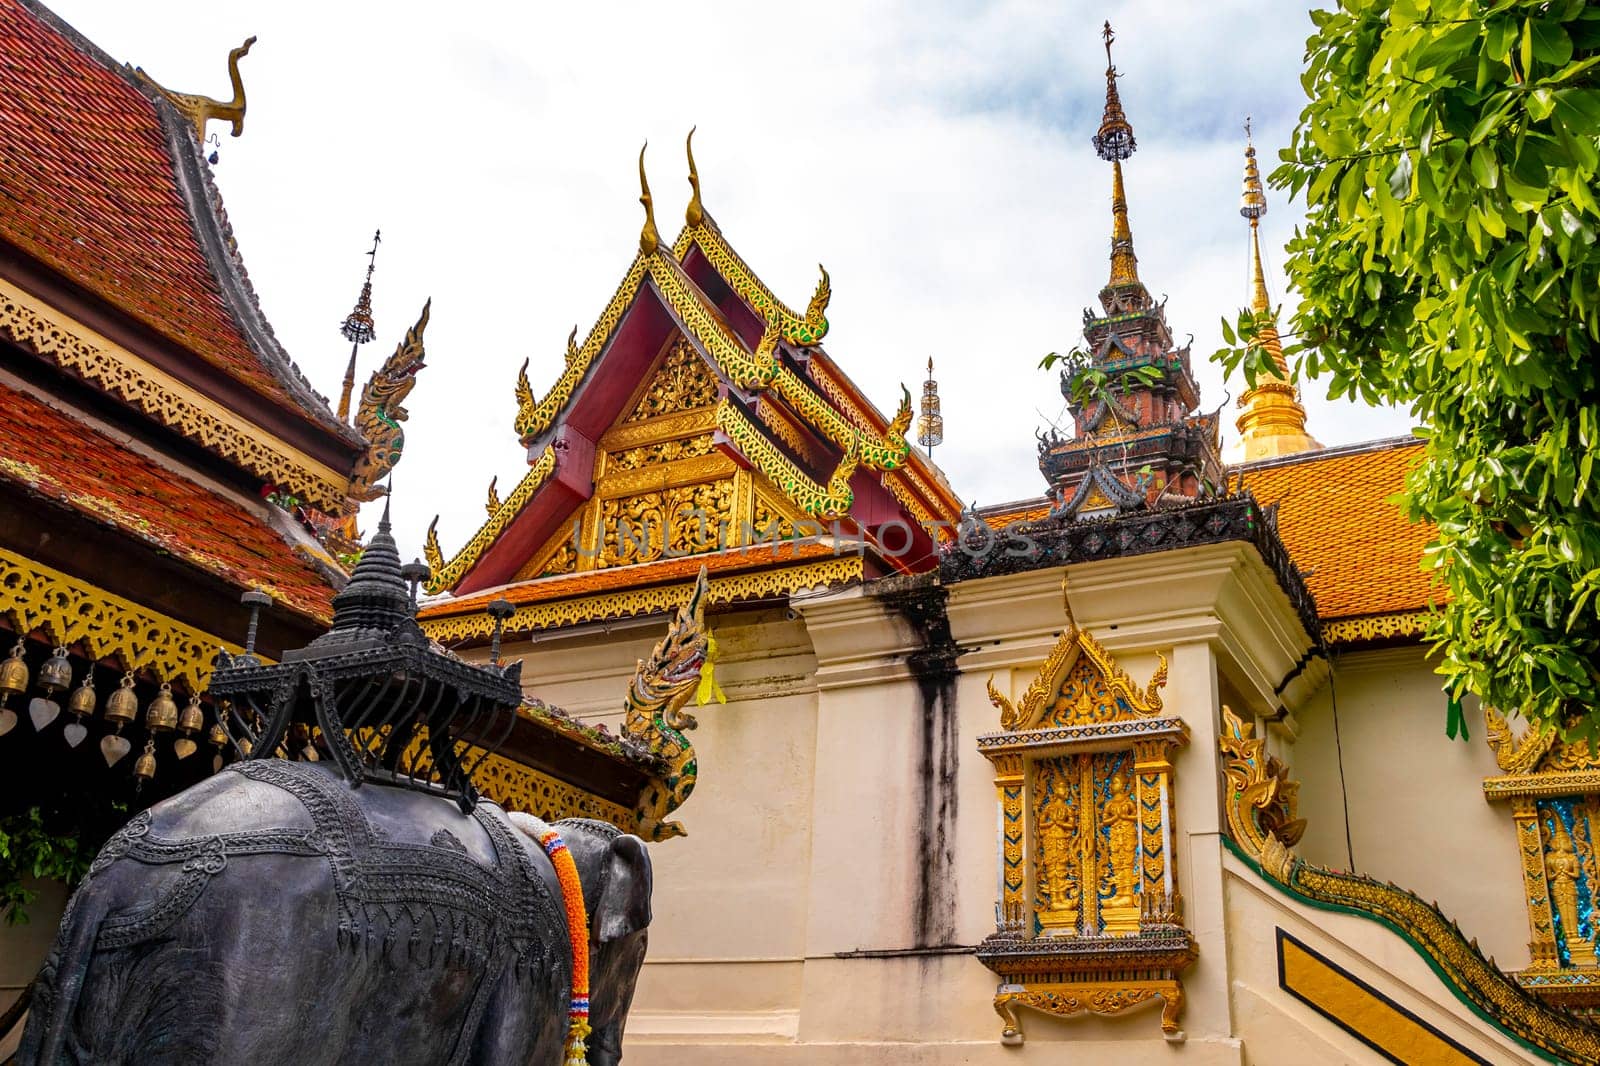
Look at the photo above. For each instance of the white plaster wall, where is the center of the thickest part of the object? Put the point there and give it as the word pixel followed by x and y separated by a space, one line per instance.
pixel 1414 797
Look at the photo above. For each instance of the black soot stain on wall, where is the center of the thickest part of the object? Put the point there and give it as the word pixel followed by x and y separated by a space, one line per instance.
pixel 920 604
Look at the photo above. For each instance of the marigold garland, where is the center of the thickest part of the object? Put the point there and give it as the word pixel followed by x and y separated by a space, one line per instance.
pixel 577 931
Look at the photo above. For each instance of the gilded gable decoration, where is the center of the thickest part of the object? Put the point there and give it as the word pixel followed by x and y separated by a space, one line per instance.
pixel 1553 787
pixel 202 109
pixel 1090 914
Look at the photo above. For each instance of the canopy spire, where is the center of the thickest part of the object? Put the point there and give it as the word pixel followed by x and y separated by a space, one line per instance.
pixel 358 327
pixel 1114 142
pixel 1272 421
pixel 930 423
pixel 696 212
pixel 649 239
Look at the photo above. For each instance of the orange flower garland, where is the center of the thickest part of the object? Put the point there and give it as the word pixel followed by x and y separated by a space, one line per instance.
pixel 577 930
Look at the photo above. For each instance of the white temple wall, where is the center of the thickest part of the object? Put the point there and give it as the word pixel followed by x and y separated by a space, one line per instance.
pixel 1414 797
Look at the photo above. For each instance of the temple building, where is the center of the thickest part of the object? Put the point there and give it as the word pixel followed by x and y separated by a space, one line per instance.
pixel 173 483
pixel 1149 767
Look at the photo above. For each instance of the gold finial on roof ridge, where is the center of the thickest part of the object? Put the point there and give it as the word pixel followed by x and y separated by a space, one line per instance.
pixel 696 212
pixel 1114 142
pixel 200 109
pixel 930 423
pixel 649 238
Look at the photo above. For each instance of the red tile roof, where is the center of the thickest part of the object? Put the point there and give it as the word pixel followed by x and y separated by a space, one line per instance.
pixel 63 460
pixel 1361 554
pixel 88 188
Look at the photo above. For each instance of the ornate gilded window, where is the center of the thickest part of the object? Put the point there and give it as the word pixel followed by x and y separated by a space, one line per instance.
pixel 1089 916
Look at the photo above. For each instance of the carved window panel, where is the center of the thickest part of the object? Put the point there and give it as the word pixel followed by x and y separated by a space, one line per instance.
pixel 1554 791
pixel 1089 913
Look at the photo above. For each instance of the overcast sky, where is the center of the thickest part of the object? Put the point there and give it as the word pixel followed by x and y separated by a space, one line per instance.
pixel 935 158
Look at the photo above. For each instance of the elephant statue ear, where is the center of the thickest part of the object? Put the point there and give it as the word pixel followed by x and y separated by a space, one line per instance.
pixel 624 906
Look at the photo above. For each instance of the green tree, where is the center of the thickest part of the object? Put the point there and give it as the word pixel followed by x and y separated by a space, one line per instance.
pixel 1448 263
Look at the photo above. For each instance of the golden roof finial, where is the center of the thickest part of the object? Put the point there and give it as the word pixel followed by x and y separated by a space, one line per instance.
pixel 200 109
pixel 1272 421
pixel 696 212
pixel 1252 205
pixel 358 328
pixel 1114 142
pixel 649 239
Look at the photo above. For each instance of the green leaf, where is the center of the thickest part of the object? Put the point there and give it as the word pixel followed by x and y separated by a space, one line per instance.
pixel 1550 43
pixel 1485 168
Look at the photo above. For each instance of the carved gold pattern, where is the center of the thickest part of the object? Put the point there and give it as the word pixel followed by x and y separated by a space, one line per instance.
pixel 678 472
pixel 886 452
pixel 821 502
pixel 652 431
pixel 69 610
pixel 1378 627
pixel 1549 779
pixel 804 330
pixel 683 382
pixel 628 603
pixel 1088 749
pixel 1257 814
pixel 445 575
pixel 521 788
pixel 40 328
pixel 688 520
pixel 669 451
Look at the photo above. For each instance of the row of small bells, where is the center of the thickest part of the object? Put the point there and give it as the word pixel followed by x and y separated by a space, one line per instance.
pixel 122 707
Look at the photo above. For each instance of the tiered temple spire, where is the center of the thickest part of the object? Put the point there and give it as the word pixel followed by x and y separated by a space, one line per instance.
pixel 1136 440
pixel 1272 422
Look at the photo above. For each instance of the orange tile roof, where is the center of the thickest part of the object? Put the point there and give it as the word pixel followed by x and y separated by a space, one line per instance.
pixel 1361 555
pixel 67 462
pixel 88 188
pixel 611 579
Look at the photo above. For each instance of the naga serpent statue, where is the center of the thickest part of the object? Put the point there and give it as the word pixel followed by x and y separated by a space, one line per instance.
pixel 380 414
pixel 655 716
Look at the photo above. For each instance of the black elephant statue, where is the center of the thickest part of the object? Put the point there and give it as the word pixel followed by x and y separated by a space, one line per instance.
pixel 275 914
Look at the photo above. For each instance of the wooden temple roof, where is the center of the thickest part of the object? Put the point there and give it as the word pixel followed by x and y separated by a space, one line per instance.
pixel 67 463
pixel 697 381
pixel 108 214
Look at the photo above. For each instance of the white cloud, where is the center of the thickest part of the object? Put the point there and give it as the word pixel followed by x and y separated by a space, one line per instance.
pixel 937 160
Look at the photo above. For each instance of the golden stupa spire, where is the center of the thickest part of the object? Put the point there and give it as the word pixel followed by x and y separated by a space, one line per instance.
pixel 1273 422
pixel 1114 142
pixel 649 239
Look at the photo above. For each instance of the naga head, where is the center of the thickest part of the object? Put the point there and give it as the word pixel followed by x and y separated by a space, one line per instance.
pixel 673 669
pixel 392 382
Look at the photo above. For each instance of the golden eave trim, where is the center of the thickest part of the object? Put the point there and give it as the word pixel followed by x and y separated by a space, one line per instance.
pixel 69 610
pixel 627 603
pixel 659 429
pixel 445 575
pixel 1375 627
pixel 822 502
pixel 804 330
pixel 53 335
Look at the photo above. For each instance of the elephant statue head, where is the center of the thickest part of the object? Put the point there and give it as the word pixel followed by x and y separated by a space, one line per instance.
pixel 614 869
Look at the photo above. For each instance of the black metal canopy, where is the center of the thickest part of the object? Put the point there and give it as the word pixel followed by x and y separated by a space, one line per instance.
pixel 374 694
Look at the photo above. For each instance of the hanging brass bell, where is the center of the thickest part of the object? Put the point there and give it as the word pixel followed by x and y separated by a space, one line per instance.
pixel 144 767
pixel 13 673
pixel 193 718
pixel 162 714
pixel 216 737
pixel 56 673
pixel 83 698
pixel 122 706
